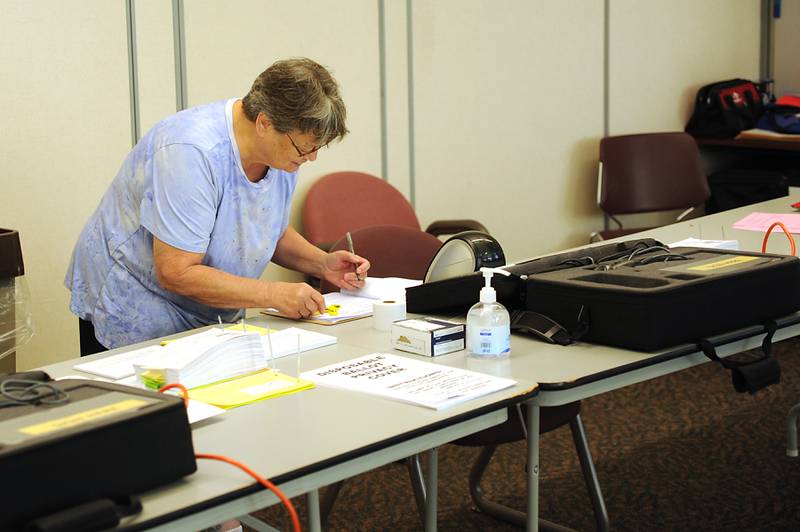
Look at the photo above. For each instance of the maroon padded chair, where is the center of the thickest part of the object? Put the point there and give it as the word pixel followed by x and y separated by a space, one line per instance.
pixel 392 250
pixel 648 172
pixel 346 201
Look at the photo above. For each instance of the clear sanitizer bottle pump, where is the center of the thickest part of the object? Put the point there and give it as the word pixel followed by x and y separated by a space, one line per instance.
pixel 488 322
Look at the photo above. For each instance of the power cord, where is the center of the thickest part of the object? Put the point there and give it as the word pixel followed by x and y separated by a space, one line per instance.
pixel 785 231
pixel 580 261
pixel 628 258
pixel 18 392
pixel 261 480
pixel 664 257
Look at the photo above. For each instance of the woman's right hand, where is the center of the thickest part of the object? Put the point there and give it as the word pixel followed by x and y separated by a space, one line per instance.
pixel 296 300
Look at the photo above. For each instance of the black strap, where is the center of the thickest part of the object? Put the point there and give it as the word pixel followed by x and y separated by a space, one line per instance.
pixel 100 514
pixel 583 324
pixel 544 328
pixel 751 375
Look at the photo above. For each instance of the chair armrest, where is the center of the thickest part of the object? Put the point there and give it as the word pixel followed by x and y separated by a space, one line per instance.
pixel 451 227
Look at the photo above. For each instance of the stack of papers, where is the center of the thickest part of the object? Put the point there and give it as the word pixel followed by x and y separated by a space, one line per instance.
pixel 118 367
pixel 202 358
pixel 349 305
pixel 384 288
pixel 294 340
pixel 767 134
pixel 279 344
pixel 412 381
pixel 761 221
pixel 344 307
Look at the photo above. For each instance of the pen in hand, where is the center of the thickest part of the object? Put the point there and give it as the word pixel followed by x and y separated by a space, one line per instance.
pixel 350 248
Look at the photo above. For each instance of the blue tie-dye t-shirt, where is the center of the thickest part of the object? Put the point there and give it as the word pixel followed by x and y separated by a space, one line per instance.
pixel 183 183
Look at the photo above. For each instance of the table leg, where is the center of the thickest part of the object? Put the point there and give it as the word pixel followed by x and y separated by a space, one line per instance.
pixel 432 484
pixel 532 422
pixel 314 524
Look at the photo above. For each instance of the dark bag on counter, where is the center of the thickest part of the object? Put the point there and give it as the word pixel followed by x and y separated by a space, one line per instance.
pixel 725 108
pixel 736 188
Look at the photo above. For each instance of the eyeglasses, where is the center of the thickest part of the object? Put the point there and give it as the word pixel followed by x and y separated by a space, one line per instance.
pixel 302 153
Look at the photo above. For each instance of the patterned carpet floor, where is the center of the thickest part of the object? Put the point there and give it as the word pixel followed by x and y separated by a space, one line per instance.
pixel 682 452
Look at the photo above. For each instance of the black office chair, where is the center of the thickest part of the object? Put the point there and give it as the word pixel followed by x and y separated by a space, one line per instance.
pixel 645 173
pixel 550 418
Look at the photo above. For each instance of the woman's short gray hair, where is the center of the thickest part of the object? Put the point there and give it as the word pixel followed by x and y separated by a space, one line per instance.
pixel 298 94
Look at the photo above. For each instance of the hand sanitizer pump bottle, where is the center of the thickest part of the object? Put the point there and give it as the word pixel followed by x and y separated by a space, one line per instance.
pixel 488 322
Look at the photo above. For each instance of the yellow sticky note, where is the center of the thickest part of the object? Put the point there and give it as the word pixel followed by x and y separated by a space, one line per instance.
pixel 249 328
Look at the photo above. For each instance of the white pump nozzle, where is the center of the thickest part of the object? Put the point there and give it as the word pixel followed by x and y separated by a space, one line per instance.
pixel 488 294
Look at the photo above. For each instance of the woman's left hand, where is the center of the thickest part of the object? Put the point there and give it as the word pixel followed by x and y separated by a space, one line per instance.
pixel 345 270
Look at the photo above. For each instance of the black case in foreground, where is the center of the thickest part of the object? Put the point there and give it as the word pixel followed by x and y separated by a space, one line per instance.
pixel 637 306
pixel 108 441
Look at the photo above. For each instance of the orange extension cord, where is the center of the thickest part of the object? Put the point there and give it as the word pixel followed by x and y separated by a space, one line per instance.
pixel 261 480
pixel 785 231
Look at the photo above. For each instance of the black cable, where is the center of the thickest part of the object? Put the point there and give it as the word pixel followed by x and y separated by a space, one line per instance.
pixel 29 392
pixel 620 254
pixel 649 249
pixel 580 261
pixel 664 257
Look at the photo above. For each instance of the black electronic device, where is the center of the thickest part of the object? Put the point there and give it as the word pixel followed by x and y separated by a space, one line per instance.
pixel 82 446
pixel 636 294
pixel 540 326
pixel 464 253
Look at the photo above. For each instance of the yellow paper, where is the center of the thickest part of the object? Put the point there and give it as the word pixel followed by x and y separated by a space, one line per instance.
pixel 250 328
pixel 258 386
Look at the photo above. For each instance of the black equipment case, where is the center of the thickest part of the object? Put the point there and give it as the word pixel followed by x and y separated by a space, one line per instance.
pixel 636 294
pixel 69 464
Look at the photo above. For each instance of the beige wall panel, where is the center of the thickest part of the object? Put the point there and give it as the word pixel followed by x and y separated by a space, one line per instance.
pixel 662 51
pixel 229 44
pixel 66 128
pixel 508 112
pixel 397 118
pixel 155 61
pixel 787 45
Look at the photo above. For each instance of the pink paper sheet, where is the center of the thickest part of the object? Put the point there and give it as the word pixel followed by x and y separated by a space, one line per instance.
pixel 760 221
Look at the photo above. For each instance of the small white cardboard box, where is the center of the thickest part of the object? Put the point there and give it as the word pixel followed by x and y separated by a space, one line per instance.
pixel 428 336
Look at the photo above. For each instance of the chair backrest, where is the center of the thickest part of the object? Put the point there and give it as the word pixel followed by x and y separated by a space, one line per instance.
pixel 347 201
pixel 650 172
pixel 392 250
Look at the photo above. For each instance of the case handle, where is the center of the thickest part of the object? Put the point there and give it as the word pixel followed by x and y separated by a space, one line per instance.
pixel 752 375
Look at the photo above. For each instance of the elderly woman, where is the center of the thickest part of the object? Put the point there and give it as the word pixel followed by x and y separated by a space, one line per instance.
pixel 199 208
